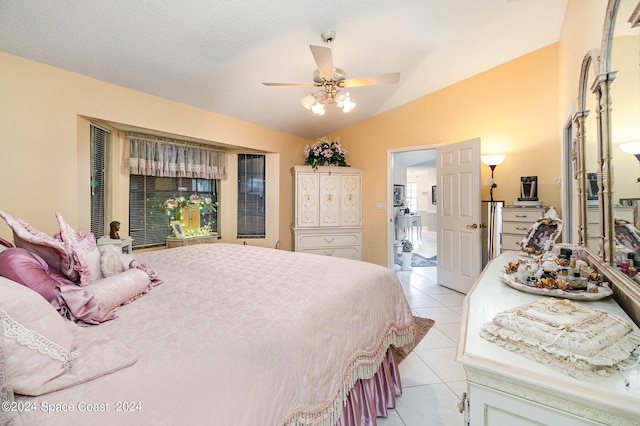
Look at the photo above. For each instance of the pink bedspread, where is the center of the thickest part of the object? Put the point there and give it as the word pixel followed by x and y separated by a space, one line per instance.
pixel 241 335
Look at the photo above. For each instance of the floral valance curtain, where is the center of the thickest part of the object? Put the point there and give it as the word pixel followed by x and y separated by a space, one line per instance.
pixel 157 157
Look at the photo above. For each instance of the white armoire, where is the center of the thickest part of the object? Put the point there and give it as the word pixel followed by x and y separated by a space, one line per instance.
pixel 327 211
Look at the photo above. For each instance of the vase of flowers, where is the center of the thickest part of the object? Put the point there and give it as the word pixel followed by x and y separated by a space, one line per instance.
pixel 325 153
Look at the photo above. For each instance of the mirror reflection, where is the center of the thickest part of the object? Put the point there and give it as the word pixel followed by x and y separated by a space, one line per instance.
pixel 625 133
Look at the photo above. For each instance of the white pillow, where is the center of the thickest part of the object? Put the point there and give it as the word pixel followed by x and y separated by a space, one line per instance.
pixel 110 262
pixel 44 352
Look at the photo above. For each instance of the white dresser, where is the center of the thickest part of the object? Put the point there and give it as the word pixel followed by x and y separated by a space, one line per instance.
pixel 516 222
pixel 327 211
pixel 593 223
pixel 506 388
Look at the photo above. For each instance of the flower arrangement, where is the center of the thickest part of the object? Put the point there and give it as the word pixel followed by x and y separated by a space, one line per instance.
pixel 325 153
pixel 176 204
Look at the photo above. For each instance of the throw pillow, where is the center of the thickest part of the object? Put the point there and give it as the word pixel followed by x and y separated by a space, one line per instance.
pixel 86 258
pixel 110 262
pixel 44 352
pixel 119 289
pixel 69 237
pixel 30 270
pixel 47 247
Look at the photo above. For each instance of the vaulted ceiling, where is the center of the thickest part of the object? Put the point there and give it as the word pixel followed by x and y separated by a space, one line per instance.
pixel 214 55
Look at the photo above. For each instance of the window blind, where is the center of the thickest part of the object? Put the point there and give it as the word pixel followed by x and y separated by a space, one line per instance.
pixel 251 195
pixel 100 141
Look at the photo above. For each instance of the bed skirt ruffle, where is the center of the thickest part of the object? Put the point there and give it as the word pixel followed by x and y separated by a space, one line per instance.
pixel 370 398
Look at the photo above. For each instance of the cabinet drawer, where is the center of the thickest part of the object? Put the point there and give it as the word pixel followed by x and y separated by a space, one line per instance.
pixel 592 216
pixel 328 240
pixel 521 215
pixel 511 241
pixel 520 228
pixel 345 252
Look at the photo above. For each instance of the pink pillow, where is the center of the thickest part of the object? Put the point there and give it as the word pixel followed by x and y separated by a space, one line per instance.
pixel 69 237
pixel 30 270
pixel 45 352
pixel 71 301
pixel 119 289
pixel 86 258
pixel 48 248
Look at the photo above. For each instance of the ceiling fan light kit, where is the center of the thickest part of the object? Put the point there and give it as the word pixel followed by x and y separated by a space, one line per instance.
pixel 331 80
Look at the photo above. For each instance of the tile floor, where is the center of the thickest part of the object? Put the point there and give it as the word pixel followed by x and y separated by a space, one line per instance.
pixel 432 380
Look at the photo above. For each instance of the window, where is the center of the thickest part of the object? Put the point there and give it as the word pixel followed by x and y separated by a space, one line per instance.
pixel 160 169
pixel 412 197
pixel 149 224
pixel 100 141
pixel 251 195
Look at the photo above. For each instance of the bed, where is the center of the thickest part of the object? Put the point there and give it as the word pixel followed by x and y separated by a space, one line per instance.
pixel 237 335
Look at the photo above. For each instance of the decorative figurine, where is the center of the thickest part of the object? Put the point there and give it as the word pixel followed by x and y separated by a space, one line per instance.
pixel 115 227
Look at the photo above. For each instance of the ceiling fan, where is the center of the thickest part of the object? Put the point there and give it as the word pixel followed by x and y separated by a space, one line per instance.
pixel 332 80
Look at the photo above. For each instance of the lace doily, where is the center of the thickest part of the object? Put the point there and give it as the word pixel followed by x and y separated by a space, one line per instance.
pixel 579 341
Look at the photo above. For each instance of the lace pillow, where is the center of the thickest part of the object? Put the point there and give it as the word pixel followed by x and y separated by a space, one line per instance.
pixel 86 257
pixel 6 391
pixel 110 262
pixel 45 352
pixel 121 288
pixel 47 247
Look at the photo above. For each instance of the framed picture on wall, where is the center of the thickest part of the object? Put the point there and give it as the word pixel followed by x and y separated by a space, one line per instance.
pixel 398 195
pixel 434 197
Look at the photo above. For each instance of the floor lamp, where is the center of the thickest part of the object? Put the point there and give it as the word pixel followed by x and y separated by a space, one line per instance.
pixel 492 161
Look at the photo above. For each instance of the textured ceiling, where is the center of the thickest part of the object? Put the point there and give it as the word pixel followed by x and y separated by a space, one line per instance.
pixel 215 54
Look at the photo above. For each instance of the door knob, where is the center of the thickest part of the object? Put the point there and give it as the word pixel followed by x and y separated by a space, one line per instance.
pixel 474 226
pixel 483 225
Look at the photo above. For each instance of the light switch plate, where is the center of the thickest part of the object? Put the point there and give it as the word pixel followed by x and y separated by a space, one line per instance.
pixel 381 205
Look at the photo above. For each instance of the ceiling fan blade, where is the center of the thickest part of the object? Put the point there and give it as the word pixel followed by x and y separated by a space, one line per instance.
pixel 324 61
pixel 287 84
pixel 375 80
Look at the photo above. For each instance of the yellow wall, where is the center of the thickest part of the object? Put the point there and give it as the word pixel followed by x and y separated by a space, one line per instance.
pixel 45 149
pixel 517 108
pixel 513 109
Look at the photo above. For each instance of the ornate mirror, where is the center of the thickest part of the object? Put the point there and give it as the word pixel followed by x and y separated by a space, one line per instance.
pixel 610 77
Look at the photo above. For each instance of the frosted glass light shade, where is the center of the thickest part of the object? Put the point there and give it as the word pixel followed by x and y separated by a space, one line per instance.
pixel 493 160
pixel 631 147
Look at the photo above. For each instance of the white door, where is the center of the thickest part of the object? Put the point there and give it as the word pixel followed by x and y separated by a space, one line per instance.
pixel 458 209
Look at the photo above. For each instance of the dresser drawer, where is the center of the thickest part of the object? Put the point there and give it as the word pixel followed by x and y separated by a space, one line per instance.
pixel 345 252
pixel 519 228
pixel 328 240
pixel 521 215
pixel 511 241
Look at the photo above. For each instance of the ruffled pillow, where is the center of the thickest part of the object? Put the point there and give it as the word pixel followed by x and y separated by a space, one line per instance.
pixel 69 237
pixel 44 352
pixel 119 289
pixel 47 247
pixel 30 270
pixel 65 296
pixel 86 258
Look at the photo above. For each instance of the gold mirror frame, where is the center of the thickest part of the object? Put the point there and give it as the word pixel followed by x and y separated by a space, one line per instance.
pixel 626 291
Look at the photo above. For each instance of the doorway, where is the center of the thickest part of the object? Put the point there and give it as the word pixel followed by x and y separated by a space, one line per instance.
pixel 412 172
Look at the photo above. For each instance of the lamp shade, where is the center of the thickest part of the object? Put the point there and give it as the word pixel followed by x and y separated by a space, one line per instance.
pixel 493 160
pixel 308 101
pixel 631 147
